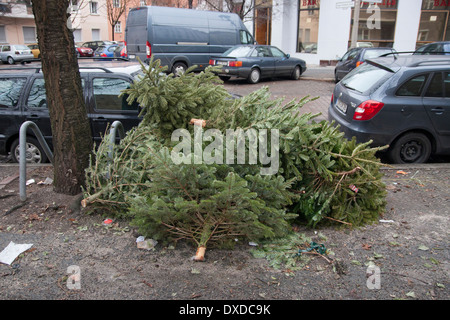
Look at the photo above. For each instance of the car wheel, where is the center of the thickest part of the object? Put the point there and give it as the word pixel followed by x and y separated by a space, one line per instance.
pixel 254 76
pixel 10 60
pixel 33 150
pixel 179 68
pixel 411 148
pixel 296 73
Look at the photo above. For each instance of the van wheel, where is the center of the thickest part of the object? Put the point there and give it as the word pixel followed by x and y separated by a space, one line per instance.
pixel 254 76
pixel 33 151
pixel 11 60
pixel 412 147
pixel 179 68
pixel 296 73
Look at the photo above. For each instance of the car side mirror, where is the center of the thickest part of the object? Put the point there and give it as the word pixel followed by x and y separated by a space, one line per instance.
pixel 288 56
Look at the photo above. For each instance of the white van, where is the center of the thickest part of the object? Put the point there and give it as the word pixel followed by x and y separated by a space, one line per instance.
pixel 181 38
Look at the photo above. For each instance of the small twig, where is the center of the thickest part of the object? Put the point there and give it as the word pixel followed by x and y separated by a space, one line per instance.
pixel 15 208
pixel 339 221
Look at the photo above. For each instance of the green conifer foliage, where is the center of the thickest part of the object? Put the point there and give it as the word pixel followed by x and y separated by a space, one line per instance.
pixel 321 177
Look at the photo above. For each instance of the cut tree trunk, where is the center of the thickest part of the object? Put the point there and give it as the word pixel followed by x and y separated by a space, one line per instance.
pixel 72 138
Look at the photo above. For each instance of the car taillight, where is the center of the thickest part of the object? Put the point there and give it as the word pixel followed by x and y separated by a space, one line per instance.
pixel 367 110
pixel 17 52
pixel 332 98
pixel 212 62
pixel 359 63
pixel 235 64
pixel 103 55
pixel 125 49
pixel 149 50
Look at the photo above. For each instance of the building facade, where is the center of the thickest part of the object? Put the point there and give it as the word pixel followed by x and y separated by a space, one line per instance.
pixel 320 31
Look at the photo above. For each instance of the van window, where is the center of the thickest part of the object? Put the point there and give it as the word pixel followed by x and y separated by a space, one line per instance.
pixel 246 38
pixel 10 91
pixel 106 93
pixel 412 87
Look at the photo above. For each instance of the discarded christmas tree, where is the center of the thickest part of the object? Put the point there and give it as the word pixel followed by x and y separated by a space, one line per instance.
pixel 321 175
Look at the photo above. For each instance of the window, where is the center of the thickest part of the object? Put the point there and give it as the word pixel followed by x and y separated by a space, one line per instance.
pixel 2 34
pixel 246 38
pixel 435 89
pixel 365 77
pixel 116 3
pixel 412 87
pixel 77 35
pixel 10 91
pixel 95 34
pixel 447 84
pixel 29 34
pixel 93 7
pixel 142 3
pixel 277 52
pixel 118 27
pixel 434 22
pixel 308 26
pixel 37 97
pixel 376 23
pixel 107 91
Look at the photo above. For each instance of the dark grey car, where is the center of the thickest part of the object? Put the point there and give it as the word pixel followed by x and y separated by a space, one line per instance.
pixel 403 102
pixel 355 57
pixel 254 62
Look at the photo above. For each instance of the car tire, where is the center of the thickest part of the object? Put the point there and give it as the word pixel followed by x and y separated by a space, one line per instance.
pixel 10 60
pixel 179 68
pixel 412 147
pixel 254 76
pixel 296 73
pixel 34 151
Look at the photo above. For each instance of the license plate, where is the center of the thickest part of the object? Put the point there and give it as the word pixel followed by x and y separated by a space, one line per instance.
pixel 222 63
pixel 341 106
pixel 132 56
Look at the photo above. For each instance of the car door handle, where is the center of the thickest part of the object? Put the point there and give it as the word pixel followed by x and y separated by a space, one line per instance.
pixel 33 117
pixel 99 119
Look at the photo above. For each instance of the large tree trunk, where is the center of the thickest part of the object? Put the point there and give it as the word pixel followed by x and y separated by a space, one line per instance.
pixel 72 139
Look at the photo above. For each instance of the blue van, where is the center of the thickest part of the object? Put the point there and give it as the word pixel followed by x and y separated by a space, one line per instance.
pixel 181 38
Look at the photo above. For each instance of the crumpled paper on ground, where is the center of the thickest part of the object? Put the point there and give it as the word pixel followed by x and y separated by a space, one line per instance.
pixel 12 251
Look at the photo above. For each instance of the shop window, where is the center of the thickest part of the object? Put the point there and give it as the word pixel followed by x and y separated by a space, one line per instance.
pixel 376 27
pixel 308 26
pixel 434 22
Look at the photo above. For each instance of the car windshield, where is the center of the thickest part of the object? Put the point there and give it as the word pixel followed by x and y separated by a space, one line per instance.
pixel 364 77
pixel 241 51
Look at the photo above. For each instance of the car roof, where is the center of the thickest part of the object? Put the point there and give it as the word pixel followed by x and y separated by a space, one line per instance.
pixel 117 67
pixel 410 61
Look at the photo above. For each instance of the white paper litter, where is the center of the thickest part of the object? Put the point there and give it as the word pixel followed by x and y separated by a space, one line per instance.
pixel 387 221
pixel 12 251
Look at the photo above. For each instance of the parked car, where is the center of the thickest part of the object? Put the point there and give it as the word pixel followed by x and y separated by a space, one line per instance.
pixel 121 51
pixel 95 44
pixel 441 47
pixel 12 53
pixel 403 102
pixel 105 51
pixel 35 50
pixel 23 97
pixel 254 62
pixel 355 57
pixel 84 51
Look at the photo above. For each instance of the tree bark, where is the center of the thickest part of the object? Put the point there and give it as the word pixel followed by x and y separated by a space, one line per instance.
pixel 72 138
